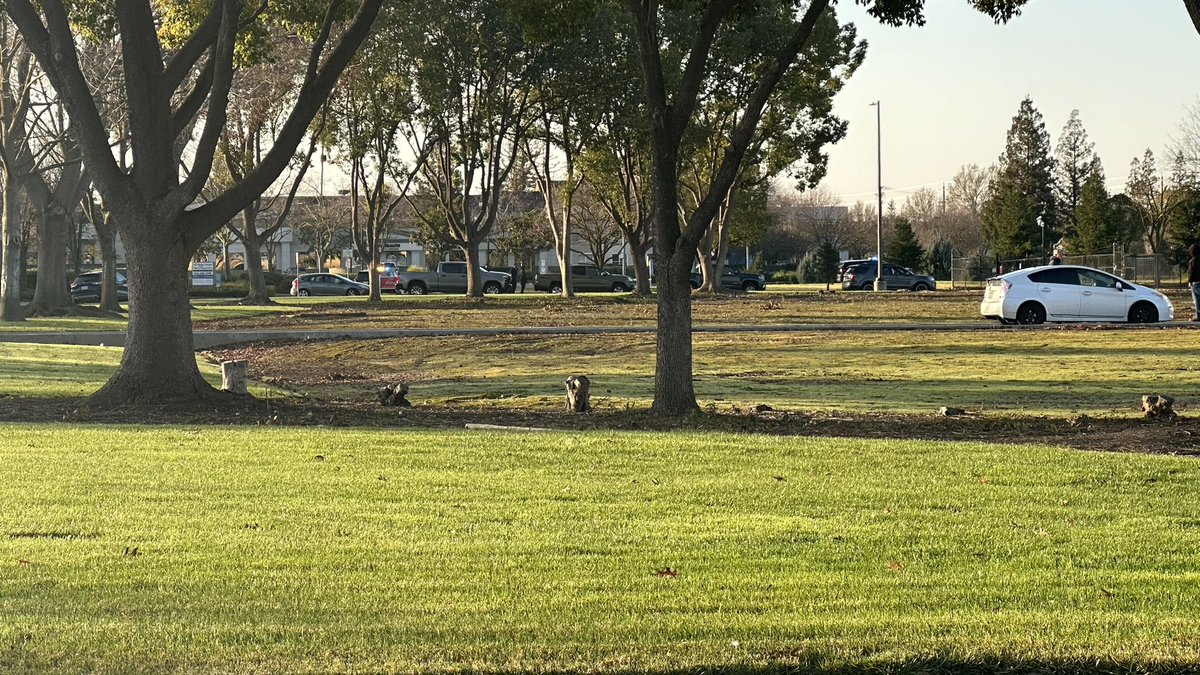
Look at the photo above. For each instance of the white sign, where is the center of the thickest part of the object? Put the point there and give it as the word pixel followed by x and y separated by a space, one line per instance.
pixel 203 274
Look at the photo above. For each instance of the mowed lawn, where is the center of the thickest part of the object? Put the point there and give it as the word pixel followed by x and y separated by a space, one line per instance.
pixel 1056 371
pixel 215 549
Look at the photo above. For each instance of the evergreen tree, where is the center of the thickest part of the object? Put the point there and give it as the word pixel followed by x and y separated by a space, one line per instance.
pixel 940 260
pixel 1074 161
pixel 1183 228
pixel 1022 190
pixel 904 249
pixel 827 263
pixel 1095 222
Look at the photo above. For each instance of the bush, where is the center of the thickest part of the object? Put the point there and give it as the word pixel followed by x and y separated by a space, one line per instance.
pixel 783 277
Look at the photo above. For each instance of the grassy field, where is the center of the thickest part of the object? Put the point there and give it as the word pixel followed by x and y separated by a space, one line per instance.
pixel 281 550
pixel 1057 372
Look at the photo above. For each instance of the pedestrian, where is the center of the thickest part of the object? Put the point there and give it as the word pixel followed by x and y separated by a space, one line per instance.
pixel 1194 279
pixel 524 277
pixel 1056 257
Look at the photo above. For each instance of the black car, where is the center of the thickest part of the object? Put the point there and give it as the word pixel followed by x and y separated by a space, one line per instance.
pixel 86 288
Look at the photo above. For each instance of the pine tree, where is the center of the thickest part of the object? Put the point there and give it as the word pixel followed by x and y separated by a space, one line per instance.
pixel 1095 226
pixel 1074 161
pixel 827 263
pixel 904 249
pixel 1022 190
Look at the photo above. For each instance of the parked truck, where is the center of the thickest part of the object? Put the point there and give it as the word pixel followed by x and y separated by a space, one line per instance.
pixel 584 278
pixel 388 279
pixel 450 277
pixel 735 280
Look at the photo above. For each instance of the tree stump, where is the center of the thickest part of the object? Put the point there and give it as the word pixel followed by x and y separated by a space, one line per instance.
pixel 393 394
pixel 1158 407
pixel 233 376
pixel 577 394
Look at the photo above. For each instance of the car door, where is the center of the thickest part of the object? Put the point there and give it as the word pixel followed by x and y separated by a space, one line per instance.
pixel 1101 296
pixel 897 277
pixel 1058 289
pixel 581 280
pixel 452 278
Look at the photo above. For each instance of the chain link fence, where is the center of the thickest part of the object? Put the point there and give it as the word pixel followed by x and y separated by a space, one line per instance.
pixel 1150 270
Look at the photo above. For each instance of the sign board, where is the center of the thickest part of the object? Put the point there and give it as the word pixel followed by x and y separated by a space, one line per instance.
pixel 203 274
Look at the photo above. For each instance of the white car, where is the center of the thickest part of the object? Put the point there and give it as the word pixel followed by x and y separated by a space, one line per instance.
pixel 1071 293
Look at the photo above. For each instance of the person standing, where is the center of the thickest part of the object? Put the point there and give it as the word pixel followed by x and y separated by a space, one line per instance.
pixel 524 278
pixel 1194 279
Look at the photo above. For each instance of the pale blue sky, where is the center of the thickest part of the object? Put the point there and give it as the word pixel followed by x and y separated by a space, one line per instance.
pixel 949 89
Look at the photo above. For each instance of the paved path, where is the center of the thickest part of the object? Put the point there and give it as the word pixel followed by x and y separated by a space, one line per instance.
pixel 210 339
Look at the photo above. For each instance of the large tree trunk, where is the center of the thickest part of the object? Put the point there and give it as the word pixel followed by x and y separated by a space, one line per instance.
pixel 373 276
pixel 674 394
pixel 159 361
pixel 673 390
pixel 51 297
pixel 10 268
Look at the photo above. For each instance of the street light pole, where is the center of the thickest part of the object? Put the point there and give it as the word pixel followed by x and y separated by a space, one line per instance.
pixel 880 284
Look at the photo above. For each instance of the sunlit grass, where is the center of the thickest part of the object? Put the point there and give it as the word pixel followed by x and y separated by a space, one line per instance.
pixel 1054 372
pixel 56 371
pixel 285 550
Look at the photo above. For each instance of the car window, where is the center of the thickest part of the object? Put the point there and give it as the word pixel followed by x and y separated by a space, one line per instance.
pixel 1097 279
pixel 578 270
pixel 454 268
pixel 1055 275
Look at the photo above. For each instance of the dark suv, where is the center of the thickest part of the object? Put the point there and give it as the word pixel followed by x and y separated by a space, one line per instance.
pixel 862 278
pixel 86 288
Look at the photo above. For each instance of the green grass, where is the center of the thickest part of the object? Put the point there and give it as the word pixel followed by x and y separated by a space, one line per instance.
pixel 291 550
pixel 1051 372
pixel 58 371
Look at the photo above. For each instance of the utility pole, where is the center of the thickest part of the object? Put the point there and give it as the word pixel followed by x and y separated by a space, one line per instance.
pixel 880 284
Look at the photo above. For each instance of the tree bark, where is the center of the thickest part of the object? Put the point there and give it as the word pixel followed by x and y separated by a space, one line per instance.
pixel 51 296
pixel 474 280
pixel 109 299
pixel 641 271
pixel 10 279
pixel 257 292
pixel 159 361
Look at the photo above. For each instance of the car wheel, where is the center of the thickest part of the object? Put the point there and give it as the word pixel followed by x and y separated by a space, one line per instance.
pixel 352 291
pixel 867 287
pixel 492 288
pixel 619 288
pixel 303 292
pixel 1031 313
pixel 416 288
pixel 917 288
pixel 397 290
pixel 556 288
pixel 1143 312
pixel 749 286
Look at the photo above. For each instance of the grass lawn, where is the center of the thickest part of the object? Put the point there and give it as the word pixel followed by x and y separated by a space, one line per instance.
pixel 1019 372
pixel 291 550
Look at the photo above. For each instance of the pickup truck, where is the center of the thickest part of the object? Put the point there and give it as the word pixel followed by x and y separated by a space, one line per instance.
pixel 584 278
pixel 450 277
pixel 735 281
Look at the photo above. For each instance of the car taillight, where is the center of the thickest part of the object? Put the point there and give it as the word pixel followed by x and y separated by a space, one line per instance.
pixel 1004 286
pixel 295 283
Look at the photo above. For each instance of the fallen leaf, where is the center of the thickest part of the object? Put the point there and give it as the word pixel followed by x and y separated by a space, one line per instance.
pixel 895 566
pixel 666 572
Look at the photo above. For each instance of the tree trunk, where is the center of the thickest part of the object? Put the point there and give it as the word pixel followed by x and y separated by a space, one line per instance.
pixel 159 361
pixel 257 293
pixel 51 296
pixel 474 280
pixel 641 271
pixel 10 268
pixel 108 270
pixel 373 277
pixel 673 390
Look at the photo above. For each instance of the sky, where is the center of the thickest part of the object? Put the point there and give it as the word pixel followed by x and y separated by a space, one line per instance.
pixel 948 90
